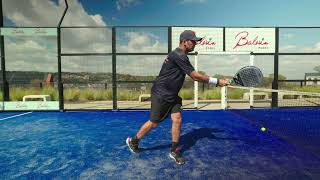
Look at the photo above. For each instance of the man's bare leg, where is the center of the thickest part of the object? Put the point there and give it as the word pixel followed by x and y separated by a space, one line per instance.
pixel 176 128
pixel 133 143
pixel 145 128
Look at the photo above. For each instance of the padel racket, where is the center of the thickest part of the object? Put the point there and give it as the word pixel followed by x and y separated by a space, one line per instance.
pixel 248 76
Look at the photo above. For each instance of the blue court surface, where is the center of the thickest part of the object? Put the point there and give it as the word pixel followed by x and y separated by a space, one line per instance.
pixel 216 145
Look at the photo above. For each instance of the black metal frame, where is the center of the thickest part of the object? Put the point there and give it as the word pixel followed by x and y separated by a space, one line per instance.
pixel 114 54
pixel 114 69
pixel 276 71
pixel 5 90
pixel 60 84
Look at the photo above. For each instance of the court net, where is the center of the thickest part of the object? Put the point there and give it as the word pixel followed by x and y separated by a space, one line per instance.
pixel 243 97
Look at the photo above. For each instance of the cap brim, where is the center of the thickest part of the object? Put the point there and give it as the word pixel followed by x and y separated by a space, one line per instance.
pixel 197 39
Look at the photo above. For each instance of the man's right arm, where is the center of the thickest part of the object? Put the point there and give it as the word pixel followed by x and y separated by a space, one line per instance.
pixel 184 63
pixel 206 79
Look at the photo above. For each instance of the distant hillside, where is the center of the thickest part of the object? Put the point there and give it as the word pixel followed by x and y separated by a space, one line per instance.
pixel 33 77
pixel 26 77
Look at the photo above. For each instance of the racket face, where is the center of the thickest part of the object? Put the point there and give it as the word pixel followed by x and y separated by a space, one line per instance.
pixel 249 76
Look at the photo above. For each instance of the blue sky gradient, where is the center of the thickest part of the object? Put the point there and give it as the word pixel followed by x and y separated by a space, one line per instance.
pixel 208 13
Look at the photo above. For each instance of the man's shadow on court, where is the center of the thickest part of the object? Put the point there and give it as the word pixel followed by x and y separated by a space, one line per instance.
pixel 190 139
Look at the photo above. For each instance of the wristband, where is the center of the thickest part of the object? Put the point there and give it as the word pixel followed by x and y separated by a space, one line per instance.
pixel 213 80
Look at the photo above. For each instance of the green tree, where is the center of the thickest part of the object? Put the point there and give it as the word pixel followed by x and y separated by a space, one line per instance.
pixel 280 77
pixel 317 68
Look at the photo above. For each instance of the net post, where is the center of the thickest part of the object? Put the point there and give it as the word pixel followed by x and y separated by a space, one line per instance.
pixel 251 58
pixel 224 102
pixel 251 96
pixel 196 84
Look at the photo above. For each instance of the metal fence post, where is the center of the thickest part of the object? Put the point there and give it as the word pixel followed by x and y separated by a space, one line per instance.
pixel 114 69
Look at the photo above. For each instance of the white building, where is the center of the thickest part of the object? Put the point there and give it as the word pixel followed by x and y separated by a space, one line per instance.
pixel 315 77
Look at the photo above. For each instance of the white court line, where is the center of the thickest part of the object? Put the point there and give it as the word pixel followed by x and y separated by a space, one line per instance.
pixel 15 116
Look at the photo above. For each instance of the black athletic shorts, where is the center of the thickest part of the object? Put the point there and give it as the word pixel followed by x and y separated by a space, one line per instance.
pixel 160 109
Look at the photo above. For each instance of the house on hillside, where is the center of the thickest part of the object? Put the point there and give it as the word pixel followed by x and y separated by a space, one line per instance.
pixel 314 77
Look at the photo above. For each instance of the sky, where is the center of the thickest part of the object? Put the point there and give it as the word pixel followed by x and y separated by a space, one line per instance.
pixel 207 12
pixel 39 53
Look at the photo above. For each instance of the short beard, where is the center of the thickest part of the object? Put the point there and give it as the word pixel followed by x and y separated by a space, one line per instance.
pixel 190 50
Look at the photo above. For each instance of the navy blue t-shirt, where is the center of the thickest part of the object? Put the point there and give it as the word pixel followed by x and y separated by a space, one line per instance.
pixel 172 74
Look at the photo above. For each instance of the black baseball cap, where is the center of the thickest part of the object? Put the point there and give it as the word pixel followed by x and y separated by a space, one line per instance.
pixel 189 35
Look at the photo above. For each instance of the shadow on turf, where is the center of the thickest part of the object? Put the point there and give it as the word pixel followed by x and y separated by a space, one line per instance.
pixel 190 139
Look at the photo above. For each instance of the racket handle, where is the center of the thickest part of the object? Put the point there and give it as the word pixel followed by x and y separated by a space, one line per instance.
pixel 231 81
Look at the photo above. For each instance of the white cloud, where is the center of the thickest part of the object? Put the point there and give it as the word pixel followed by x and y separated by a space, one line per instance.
pixel 226 65
pixel 39 54
pixel 32 12
pixel 303 49
pixel 288 48
pixel 295 67
pixel 287 36
pixel 314 49
pixel 47 13
pixel 142 42
pixel 86 40
pixel 121 4
pixel 140 65
pixel 98 19
pixel 30 54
